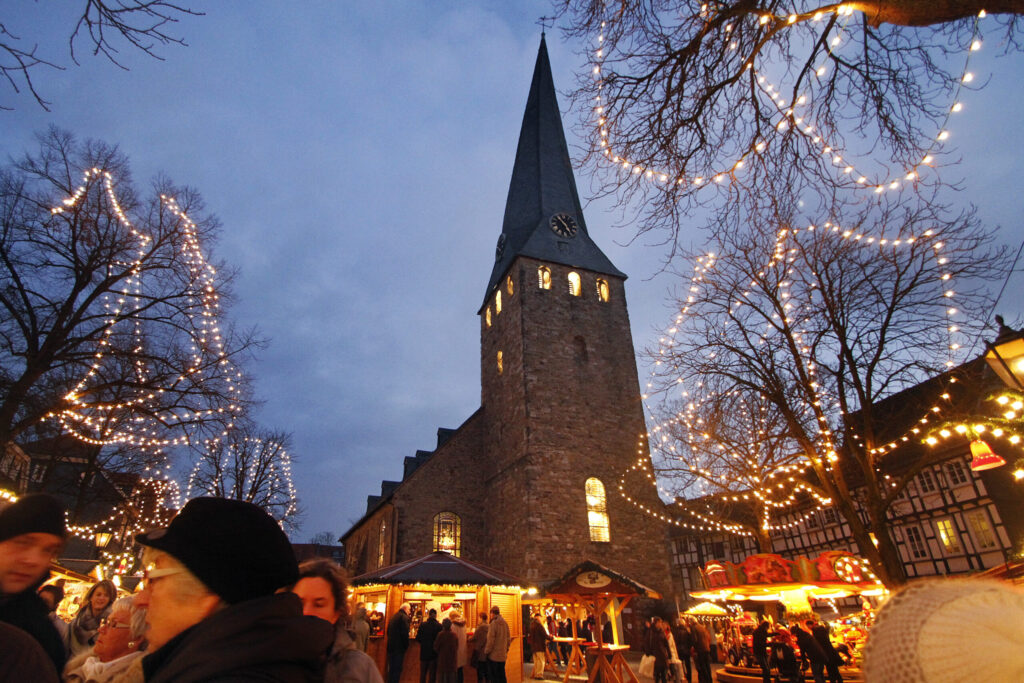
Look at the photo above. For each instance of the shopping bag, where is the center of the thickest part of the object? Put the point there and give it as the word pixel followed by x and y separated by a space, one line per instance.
pixel 647 666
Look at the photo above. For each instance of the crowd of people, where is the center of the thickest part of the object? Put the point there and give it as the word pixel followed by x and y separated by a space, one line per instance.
pixel 195 618
pixel 773 648
pixel 679 649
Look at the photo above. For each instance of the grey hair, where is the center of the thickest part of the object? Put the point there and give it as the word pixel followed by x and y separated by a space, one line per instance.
pixel 137 620
pixel 188 586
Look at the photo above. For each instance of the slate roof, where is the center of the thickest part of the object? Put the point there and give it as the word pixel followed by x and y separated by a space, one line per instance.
pixel 438 568
pixel 543 185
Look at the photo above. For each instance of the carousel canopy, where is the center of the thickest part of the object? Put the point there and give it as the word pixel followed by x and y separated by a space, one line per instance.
pixel 707 609
pixel 591 578
pixel 439 568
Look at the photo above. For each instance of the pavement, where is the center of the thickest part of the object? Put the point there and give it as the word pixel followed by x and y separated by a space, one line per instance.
pixel 632 658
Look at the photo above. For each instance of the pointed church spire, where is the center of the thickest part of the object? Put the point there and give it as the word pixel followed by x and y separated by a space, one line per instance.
pixel 543 187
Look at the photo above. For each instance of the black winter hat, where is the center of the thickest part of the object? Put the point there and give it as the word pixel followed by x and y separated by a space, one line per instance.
pixel 36 513
pixel 234 547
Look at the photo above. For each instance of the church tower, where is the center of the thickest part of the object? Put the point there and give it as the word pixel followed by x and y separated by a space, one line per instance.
pixel 560 392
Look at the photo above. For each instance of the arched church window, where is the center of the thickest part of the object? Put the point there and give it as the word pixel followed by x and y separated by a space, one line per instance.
pixel 544 277
pixel 602 290
pixel 497 302
pixel 597 511
pixel 574 284
pixel 382 538
pixel 448 533
pixel 501 364
pixel 487 316
pixel 508 285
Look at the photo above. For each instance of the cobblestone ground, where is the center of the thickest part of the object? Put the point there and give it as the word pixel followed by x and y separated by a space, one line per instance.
pixel 633 658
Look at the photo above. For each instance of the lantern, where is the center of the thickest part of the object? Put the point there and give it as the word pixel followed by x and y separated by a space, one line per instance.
pixel 1006 355
pixel 983 457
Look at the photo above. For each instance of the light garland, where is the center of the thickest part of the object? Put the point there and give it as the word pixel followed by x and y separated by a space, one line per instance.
pixel 788 115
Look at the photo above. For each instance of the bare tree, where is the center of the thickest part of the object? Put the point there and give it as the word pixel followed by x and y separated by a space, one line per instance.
pixel 324 538
pixel 253 466
pixel 110 313
pixel 105 27
pixel 698 104
pixel 824 321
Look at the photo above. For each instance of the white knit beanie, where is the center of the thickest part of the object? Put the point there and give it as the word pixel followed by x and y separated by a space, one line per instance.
pixel 948 630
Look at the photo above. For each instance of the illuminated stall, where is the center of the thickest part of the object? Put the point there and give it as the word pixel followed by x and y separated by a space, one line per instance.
pixel 448 584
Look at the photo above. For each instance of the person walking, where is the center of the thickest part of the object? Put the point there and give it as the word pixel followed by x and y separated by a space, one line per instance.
pixel 684 644
pixel 213 583
pixel 498 642
pixel 538 644
pixel 462 655
pixel 658 646
pixel 446 647
pixel 425 636
pixel 479 645
pixel 759 643
pixel 398 642
pixel 32 534
pixel 322 589
pixel 360 628
pixel 832 659
pixel 702 650
pixel 95 608
pixel 810 650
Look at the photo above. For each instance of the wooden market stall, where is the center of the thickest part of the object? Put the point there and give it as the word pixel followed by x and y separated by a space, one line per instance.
pixel 446 583
pixel 598 590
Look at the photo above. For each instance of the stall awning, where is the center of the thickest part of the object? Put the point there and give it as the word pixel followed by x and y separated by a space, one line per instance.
pixel 589 577
pixel 438 568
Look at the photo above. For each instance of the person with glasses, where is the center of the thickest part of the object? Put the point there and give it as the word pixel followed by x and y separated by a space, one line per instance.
pixel 120 642
pixel 32 534
pixel 211 582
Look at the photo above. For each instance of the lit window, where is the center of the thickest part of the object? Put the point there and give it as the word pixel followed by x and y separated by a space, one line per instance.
pixel 947 535
pixel 508 285
pixel 382 538
pixel 927 482
pixel 497 302
pixel 916 542
pixel 982 529
pixel 574 284
pixel 602 290
pixel 487 316
pixel 956 473
pixel 448 533
pixel 501 364
pixel 544 277
pixel 597 511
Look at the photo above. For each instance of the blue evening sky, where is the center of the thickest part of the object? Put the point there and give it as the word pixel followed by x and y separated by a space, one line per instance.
pixel 359 155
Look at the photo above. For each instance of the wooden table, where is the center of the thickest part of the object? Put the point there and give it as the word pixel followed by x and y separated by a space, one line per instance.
pixel 577 662
pixel 611 670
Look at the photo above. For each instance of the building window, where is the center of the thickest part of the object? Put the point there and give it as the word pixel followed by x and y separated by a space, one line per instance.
pixel 501 363
pixel 544 277
pixel 829 515
pixel 574 284
pixel 982 529
pixel 382 538
pixel 497 302
pixel 448 533
pixel 597 511
pixel 947 535
pixel 508 285
pixel 927 481
pixel 955 472
pixel 916 542
pixel 602 290
pixel 487 316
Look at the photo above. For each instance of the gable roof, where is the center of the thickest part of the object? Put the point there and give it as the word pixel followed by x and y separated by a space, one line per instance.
pixel 543 185
pixel 438 568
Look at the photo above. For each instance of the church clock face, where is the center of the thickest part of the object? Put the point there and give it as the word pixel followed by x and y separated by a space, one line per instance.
pixel 563 225
pixel 500 249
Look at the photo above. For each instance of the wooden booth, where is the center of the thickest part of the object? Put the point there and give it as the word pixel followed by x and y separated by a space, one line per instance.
pixel 446 583
pixel 598 591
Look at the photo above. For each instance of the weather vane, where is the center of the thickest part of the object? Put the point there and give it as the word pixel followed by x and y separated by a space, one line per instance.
pixel 545 23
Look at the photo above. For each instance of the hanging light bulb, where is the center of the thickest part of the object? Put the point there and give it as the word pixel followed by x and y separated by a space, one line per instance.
pixel 983 457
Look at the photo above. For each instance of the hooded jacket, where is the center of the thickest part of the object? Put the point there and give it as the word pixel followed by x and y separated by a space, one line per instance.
pixel 263 639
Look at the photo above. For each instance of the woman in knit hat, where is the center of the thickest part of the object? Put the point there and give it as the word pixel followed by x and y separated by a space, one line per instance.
pixel 95 608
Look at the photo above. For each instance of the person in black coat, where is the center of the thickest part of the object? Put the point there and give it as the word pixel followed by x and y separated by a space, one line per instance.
pixel 659 648
pixel 398 642
pixel 832 659
pixel 759 643
pixel 32 534
pixel 811 651
pixel 783 657
pixel 684 643
pixel 425 636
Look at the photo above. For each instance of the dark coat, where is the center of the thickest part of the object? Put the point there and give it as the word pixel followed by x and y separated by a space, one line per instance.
pixel 684 641
pixel 27 611
pixel 784 659
pixel 538 637
pixel 22 658
pixel 398 633
pixel 659 648
pixel 425 636
pixel 264 639
pixel 820 633
pixel 759 641
pixel 446 645
pixel 809 646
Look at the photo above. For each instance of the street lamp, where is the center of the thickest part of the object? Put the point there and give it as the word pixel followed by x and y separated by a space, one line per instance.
pixel 1005 355
pixel 103 539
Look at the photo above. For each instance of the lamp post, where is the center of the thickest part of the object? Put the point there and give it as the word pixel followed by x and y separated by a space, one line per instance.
pixel 103 539
pixel 1005 355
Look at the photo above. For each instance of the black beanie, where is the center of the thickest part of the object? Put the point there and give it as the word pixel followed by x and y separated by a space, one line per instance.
pixel 35 513
pixel 235 548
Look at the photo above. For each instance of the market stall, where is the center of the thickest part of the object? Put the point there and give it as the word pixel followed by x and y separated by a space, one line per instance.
pixel 447 584
pixel 599 591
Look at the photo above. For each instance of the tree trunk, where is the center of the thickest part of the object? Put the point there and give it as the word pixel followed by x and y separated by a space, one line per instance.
pixel 931 12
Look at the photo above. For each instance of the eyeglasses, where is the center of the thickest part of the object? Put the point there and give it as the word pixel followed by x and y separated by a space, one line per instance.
pixel 107 623
pixel 150 575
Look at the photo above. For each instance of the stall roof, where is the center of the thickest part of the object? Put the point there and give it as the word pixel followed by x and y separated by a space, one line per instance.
pixel 438 568
pixel 590 577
